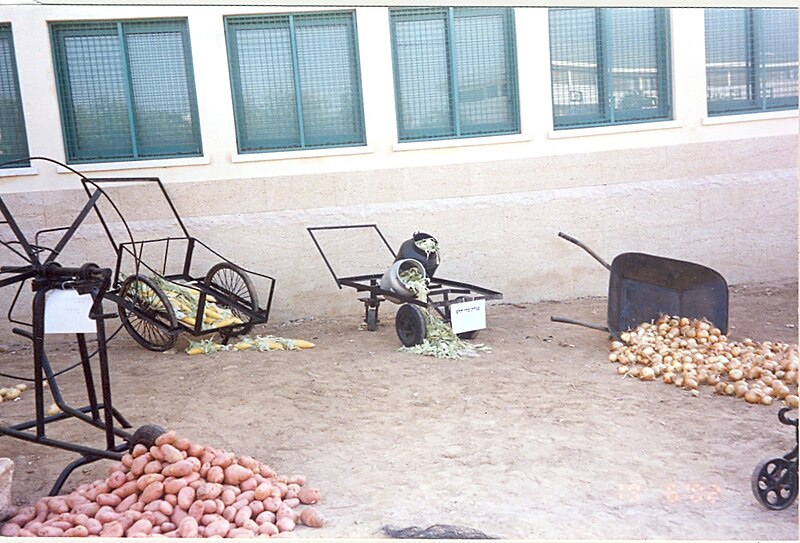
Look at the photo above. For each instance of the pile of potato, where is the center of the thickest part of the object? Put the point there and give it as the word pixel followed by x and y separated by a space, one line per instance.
pixel 689 353
pixel 176 489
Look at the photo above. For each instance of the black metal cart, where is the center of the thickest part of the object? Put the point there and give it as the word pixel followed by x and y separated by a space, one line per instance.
pixel 775 480
pixel 37 266
pixel 144 308
pixel 410 321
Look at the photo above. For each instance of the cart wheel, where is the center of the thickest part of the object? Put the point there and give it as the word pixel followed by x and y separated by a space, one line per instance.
pixel 145 435
pixel 410 325
pixel 472 334
pixel 234 282
pixel 372 319
pixel 152 322
pixel 774 483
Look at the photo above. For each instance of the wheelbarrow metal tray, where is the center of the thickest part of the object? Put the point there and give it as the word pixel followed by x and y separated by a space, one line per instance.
pixel 642 287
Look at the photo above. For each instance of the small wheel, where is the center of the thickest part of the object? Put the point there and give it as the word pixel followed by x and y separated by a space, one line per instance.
pixel 372 319
pixel 235 283
pixel 410 325
pixel 145 435
pixel 774 483
pixel 152 322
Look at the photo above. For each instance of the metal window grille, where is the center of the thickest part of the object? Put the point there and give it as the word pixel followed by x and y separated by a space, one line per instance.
pixel 751 60
pixel 455 72
pixel 126 90
pixel 13 141
pixel 609 66
pixel 296 81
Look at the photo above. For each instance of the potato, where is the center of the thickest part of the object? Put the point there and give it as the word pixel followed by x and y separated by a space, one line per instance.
pixel 186 497
pixel 243 514
pixel 224 460
pixel 298 479
pixel 147 479
pixel 168 527
pixel 228 496
pixel 196 510
pixel 171 499
pixel 203 471
pixel 24 516
pixel 167 438
pixel 188 527
pixel 208 518
pixel 272 503
pixel 312 517
pixel 108 499
pixel 292 502
pixel 116 479
pixel 141 526
pixel 218 528
pixel 154 466
pixel 138 464
pixel 308 495
pixel 127 460
pixel 93 526
pixel 257 507
pixel 156 454
pixel 268 528
pixel 126 490
pixel 153 492
pixel 215 474
pixel 50 531
pixel 10 529
pixel 229 513
pixel 265 516
pixel 182 468
pixel 126 503
pixel 292 490
pixel 235 474
pixel 138 450
pixel 182 444
pixel 262 491
pixel 285 524
pixel 240 532
pixel 209 506
pixel 77 531
pixel 174 485
pixel 248 484
pixel 209 491
pixel 177 516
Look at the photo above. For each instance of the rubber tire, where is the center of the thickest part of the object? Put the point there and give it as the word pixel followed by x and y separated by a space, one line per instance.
pixel 410 325
pixel 761 494
pixel 252 295
pixel 372 319
pixel 145 435
pixel 170 337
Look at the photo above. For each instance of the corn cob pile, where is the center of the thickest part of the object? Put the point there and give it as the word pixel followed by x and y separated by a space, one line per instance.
pixel 258 343
pixel 185 301
pixel 690 353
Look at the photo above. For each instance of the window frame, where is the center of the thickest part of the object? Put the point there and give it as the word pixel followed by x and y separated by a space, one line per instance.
pixel 406 135
pixel 120 29
pixel 266 143
pixel 756 80
pixel 20 129
pixel 608 115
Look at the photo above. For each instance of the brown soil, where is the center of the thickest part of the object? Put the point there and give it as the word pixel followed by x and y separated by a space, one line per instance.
pixel 538 439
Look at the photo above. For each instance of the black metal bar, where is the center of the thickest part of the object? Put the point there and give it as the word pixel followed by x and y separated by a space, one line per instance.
pixel 38 356
pixel 585 248
pixel 581 323
pixel 312 229
pixel 73 447
pixel 32 258
pixel 105 377
pixel 72 228
pixel 88 378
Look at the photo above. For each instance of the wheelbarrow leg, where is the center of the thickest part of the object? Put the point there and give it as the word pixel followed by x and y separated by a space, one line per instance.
pixel 371 305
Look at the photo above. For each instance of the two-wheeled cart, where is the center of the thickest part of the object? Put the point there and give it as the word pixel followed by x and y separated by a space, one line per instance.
pixel 144 265
pixel 444 297
pixel 775 481
pixel 37 266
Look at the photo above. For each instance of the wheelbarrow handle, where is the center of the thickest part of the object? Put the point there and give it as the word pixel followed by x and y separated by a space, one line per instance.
pixel 581 323
pixel 585 248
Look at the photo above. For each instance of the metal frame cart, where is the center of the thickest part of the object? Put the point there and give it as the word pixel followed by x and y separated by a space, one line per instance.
pixel 410 321
pixel 774 481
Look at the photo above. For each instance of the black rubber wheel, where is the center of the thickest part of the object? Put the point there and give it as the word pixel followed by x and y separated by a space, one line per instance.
pixel 152 322
pixel 774 483
pixel 472 334
pixel 410 325
pixel 145 435
pixel 235 283
pixel 372 319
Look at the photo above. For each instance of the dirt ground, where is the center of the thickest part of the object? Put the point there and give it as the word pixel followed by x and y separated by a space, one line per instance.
pixel 538 439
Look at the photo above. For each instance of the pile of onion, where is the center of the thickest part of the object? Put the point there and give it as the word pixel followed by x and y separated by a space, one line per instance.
pixel 690 352
pixel 176 489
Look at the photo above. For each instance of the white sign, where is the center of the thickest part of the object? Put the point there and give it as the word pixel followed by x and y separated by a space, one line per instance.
pixel 468 316
pixel 67 312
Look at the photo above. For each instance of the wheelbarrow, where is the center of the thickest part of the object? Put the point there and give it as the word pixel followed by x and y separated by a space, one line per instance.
pixel 643 287
pixel 774 481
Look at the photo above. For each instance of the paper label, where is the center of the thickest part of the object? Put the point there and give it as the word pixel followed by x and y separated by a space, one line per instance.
pixel 468 316
pixel 67 312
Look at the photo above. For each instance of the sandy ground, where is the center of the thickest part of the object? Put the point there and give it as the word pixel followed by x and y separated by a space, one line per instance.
pixel 538 439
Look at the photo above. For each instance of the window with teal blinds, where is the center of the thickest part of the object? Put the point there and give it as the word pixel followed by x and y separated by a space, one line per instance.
pixel 13 141
pixel 455 72
pixel 751 60
pixel 126 90
pixel 296 81
pixel 609 66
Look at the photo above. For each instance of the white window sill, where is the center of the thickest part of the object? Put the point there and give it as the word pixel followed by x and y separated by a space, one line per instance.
pixel 14 172
pixel 615 129
pixel 136 164
pixel 748 117
pixel 460 142
pixel 307 153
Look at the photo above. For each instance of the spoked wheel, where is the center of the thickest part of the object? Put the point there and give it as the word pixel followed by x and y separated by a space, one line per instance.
pixel 235 283
pixel 410 325
pixel 152 322
pixel 145 435
pixel 774 483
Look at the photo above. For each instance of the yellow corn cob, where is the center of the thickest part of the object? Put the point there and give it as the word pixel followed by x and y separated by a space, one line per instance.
pixel 195 350
pixel 303 344
pixel 226 322
pixel 243 345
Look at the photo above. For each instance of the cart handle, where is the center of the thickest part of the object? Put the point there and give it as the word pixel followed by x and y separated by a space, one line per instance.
pixel 581 323
pixel 585 248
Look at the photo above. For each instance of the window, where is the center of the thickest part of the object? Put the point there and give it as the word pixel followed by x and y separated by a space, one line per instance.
pixel 296 81
pixel 13 142
pixel 609 66
pixel 751 60
pixel 454 72
pixel 126 90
